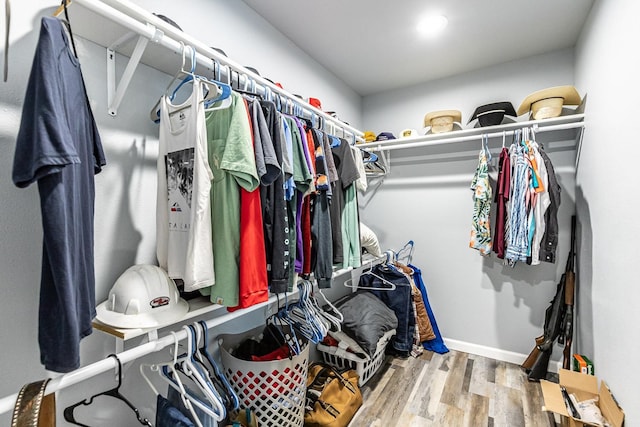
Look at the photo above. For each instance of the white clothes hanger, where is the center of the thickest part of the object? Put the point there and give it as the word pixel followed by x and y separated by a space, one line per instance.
pixel 336 320
pixel 168 372
pixel 175 382
pixel 203 381
pixel 349 282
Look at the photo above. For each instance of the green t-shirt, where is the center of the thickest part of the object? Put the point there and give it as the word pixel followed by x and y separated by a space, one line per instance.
pixel 232 161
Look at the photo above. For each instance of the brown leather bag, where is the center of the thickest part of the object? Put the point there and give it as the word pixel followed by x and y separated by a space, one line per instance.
pixel 333 398
pixel 33 408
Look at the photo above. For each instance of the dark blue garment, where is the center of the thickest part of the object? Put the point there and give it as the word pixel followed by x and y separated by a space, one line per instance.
pixel 399 300
pixel 168 415
pixel 59 147
pixel 175 399
pixel 436 344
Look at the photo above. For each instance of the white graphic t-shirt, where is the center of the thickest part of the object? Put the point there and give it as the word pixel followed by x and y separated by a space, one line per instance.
pixel 183 221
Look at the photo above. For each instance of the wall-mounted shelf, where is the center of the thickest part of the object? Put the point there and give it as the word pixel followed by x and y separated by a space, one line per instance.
pixel 125 28
pixel 573 124
pixel 197 307
pixel 562 133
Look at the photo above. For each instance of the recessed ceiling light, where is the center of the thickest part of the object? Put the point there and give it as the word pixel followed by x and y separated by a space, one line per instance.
pixel 431 25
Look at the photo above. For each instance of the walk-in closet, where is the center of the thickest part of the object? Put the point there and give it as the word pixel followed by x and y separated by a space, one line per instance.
pixel 282 213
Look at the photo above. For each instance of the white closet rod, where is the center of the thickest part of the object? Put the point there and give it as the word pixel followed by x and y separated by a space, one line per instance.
pixel 155 29
pixel 439 139
pixel 463 179
pixel 104 365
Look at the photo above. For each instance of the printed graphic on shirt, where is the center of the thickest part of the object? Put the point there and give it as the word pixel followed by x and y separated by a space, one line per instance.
pixel 180 187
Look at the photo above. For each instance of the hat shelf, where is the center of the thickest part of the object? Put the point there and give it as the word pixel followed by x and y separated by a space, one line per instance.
pixel 573 122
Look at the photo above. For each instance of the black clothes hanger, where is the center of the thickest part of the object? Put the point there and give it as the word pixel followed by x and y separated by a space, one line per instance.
pixel 114 392
pixel 68 24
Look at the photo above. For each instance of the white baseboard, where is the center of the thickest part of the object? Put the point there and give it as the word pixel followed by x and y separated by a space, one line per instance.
pixel 495 353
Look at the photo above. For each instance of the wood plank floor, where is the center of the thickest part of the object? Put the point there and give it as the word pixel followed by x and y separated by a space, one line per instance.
pixel 452 389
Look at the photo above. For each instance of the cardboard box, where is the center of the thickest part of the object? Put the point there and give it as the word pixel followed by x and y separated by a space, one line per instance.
pixel 584 387
pixel 581 363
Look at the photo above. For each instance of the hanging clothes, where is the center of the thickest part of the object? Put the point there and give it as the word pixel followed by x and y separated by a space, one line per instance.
pixel 347 174
pixel 303 184
pixel 303 178
pixel 321 233
pixel 183 209
pixel 503 188
pixel 351 229
pixel 274 207
pixel 481 224
pixel 58 146
pixel 232 161
pixel 518 227
pixel 436 344
pixel 542 203
pixel 253 284
pixel 549 241
pixel 307 266
pixel 399 300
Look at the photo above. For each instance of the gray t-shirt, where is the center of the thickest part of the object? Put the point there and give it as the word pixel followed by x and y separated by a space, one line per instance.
pixel 347 175
pixel 59 147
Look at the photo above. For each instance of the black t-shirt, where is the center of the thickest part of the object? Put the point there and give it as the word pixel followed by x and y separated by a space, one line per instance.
pixel 58 146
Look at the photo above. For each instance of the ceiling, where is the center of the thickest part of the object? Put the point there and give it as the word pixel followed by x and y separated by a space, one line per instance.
pixel 374 46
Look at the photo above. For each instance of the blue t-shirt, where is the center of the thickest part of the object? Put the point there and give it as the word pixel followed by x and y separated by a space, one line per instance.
pixel 58 146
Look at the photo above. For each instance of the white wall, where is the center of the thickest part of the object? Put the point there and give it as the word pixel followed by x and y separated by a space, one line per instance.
pixel 480 305
pixel 125 190
pixel 606 198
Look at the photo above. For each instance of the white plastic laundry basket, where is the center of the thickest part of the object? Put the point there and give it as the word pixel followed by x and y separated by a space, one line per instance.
pixel 274 390
pixel 365 368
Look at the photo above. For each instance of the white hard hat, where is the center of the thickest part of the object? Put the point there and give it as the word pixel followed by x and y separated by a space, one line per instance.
pixel 143 297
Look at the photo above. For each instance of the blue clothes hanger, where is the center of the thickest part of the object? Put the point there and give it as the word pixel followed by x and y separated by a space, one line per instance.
pixel 219 375
pixel 335 141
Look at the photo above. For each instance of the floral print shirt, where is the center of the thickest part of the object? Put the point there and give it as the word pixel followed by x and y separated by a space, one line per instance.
pixel 481 225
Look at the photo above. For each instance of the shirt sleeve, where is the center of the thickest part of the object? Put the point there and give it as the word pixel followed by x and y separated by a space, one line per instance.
pixel 44 144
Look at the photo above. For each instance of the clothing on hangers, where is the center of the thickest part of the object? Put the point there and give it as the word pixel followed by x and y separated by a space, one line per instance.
pixel 517 229
pixel 321 232
pixel 542 201
pixel 347 175
pixel 274 210
pixel 503 189
pixel 437 344
pixel 253 282
pixel 398 300
pixel 232 161
pixel 59 147
pixel 183 209
pixel 481 224
pixel 549 241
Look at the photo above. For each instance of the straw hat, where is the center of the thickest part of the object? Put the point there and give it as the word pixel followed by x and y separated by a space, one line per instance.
pixel 442 121
pixel 548 103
